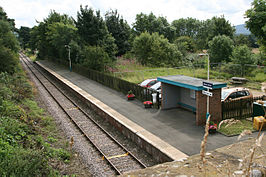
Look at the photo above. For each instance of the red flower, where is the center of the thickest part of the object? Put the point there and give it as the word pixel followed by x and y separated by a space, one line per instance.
pixel 147 102
pixel 131 95
pixel 213 126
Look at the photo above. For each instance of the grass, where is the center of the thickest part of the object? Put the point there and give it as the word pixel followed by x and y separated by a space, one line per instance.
pixel 130 70
pixel 237 128
pixel 30 143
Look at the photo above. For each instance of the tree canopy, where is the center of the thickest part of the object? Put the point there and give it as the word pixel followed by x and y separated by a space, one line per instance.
pixel 220 48
pixel 119 29
pixel 8 44
pixel 93 31
pixel 256 22
pixel 155 50
pixel 24 36
pixel 150 23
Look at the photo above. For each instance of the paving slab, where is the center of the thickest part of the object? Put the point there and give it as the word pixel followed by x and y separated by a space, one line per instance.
pixel 176 126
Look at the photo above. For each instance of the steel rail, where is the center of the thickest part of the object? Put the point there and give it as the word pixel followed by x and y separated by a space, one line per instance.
pixel 76 124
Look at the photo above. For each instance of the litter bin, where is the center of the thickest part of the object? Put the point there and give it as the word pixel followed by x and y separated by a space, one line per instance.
pixel 258 109
pixel 258 121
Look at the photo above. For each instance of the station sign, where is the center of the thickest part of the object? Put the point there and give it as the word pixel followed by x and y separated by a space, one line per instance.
pixel 207 85
pixel 207 93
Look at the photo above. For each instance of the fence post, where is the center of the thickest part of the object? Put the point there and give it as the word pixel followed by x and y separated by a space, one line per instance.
pixel 241 108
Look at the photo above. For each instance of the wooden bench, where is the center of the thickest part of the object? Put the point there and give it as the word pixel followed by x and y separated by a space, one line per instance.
pixel 238 80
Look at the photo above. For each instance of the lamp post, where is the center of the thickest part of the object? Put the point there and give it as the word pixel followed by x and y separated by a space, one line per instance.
pixel 208 78
pixel 70 66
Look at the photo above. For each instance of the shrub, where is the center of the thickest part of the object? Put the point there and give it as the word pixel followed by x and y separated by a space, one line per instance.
pixel 8 60
pixel 242 55
pixel 220 48
pixel 155 50
pixel 95 58
pixel 16 161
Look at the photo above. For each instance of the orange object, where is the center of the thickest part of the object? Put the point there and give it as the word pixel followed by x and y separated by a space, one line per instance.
pixel 258 121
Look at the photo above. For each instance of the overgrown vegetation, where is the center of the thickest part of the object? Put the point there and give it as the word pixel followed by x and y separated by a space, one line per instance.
pixel 29 144
pixel 25 149
pixel 132 71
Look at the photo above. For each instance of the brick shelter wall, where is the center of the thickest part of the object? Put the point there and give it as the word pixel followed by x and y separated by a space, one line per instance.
pixel 215 106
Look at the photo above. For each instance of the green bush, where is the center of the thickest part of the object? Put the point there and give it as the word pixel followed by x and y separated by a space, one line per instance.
pixel 8 60
pixel 17 161
pixel 155 50
pixel 95 58
pixel 12 131
pixel 220 48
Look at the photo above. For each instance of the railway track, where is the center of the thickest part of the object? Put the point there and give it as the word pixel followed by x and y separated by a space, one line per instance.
pixel 119 158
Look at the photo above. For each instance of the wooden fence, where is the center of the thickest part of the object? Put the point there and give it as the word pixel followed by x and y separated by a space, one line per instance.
pixel 142 94
pixel 238 109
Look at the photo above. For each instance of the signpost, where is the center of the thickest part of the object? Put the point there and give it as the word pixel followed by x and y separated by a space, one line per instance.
pixel 207 85
pixel 207 93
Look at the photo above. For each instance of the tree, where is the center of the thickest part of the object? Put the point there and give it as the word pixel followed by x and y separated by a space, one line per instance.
pixel 211 28
pixel 95 58
pixel 8 46
pixel 119 29
pixel 51 36
pixel 155 50
pixel 7 37
pixel 186 27
pixel 185 44
pixel 24 36
pixel 151 24
pixel 92 30
pixel 242 55
pixel 242 40
pixel 59 35
pixel 220 26
pixel 4 17
pixel 8 60
pixel 257 20
pixel 220 48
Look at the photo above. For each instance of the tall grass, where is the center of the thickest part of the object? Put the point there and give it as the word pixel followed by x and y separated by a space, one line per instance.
pixel 130 70
pixel 24 148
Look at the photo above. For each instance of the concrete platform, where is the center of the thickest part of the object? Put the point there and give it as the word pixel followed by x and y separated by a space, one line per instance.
pixel 174 128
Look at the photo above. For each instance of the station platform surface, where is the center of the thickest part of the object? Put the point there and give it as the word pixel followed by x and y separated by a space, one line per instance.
pixel 176 126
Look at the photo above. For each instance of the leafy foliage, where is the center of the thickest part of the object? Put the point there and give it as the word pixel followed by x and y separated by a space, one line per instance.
pixel 59 35
pixel 24 36
pixel 155 50
pixel 242 40
pixel 51 36
pixel 119 29
pixel 257 20
pixel 186 27
pixel 151 24
pixel 95 58
pixel 4 17
pixel 8 46
pixel 7 38
pixel 185 44
pixel 220 49
pixel 242 55
pixel 22 151
pixel 212 28
pixel 93 31
pixel 8 60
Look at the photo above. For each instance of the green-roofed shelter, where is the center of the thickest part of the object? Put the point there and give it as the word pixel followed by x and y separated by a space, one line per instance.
pixel 186 92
